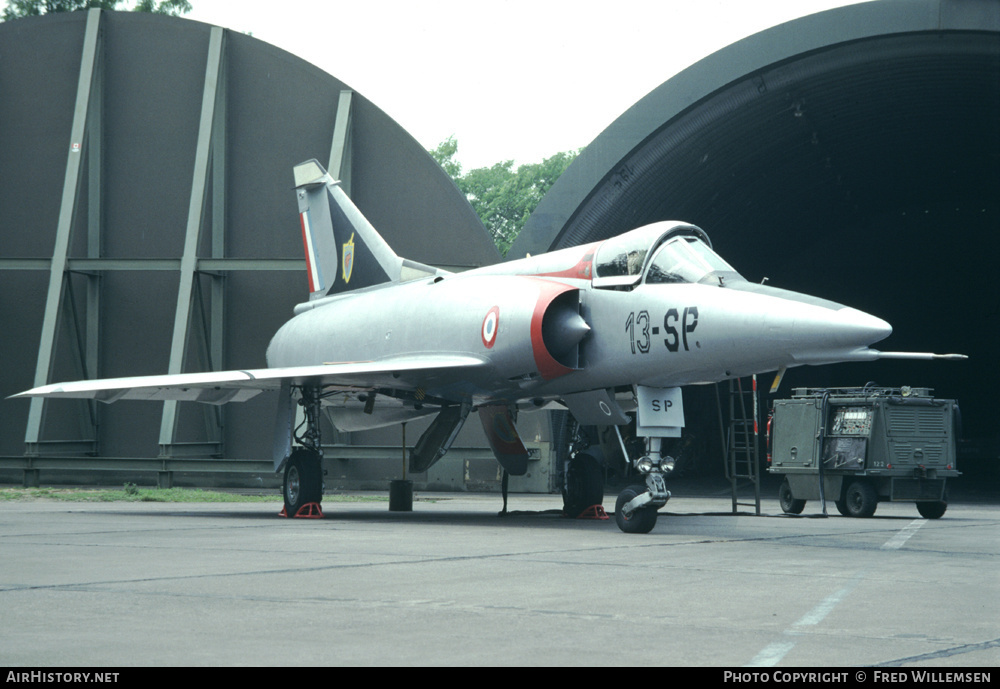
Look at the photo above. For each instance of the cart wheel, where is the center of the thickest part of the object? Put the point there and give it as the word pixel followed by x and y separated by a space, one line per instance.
pixel 932 510
pixel 860 500
pixel 789 505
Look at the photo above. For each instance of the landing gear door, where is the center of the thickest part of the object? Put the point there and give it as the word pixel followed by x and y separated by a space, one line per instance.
pixel 595 408
pixel 660 413
pixel 509 450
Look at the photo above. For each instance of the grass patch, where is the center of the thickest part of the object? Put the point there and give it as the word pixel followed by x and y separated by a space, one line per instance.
pixel 132 493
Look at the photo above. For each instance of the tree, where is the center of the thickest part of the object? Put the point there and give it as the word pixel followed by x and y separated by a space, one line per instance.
pixel 444 154
pixel 171 7
pixel 503 197
pixel 16 9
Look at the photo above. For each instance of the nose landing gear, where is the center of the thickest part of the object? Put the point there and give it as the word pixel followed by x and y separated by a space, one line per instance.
pixel 636 506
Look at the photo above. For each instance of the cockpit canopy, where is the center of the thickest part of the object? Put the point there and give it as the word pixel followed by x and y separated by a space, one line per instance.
pixel 664 252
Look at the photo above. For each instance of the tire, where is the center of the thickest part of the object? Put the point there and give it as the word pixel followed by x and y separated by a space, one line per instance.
pixel 860 500
pixel 932 510
pixel 303 481
pixel 842 507
pixel 789 504
pixel 583 486
pixel 642 520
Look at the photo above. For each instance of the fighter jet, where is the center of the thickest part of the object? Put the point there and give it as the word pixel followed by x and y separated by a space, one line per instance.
pixel 604 330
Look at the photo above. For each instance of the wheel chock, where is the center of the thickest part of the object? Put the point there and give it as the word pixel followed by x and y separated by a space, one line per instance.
pixel 310 510
pixel 594 512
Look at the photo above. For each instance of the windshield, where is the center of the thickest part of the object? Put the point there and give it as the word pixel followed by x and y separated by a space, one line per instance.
pixel 625 254
pixel 685 259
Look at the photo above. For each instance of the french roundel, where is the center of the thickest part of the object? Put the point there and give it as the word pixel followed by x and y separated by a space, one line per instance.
pixel 490 326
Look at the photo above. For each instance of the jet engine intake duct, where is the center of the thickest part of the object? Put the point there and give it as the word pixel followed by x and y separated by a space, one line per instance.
pixel 563 328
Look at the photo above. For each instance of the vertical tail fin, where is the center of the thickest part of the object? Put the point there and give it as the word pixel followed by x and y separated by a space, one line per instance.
pixel 343 251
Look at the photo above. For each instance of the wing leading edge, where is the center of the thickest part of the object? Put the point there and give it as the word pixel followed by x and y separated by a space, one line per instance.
pixel 220 387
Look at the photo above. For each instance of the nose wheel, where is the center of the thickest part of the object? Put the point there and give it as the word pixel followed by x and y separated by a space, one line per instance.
pixel 634 520
pixel 636 506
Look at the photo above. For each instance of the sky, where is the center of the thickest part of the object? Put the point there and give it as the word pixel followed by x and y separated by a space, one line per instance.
pixel 514 80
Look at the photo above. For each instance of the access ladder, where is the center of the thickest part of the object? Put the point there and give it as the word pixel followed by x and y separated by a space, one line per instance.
pixel 742 441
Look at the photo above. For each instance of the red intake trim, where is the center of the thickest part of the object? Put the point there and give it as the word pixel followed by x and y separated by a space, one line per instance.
pixel 583 270
pixel 547 366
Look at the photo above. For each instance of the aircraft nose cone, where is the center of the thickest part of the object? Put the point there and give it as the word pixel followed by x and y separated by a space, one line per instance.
pixel 862 328
pixel 826 336
pixel 809 330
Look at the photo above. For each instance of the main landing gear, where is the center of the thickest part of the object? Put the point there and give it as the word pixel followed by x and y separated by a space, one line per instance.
pixel 303 481
pixel 583 486
pixel 303 484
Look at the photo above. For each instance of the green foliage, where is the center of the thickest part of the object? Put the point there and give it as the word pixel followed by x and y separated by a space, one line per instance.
pixel 503 197
pixel 171 7
pixel 444 154
pixel 16 9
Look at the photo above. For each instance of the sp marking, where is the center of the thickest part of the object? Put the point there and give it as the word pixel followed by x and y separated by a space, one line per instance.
pixel 677 325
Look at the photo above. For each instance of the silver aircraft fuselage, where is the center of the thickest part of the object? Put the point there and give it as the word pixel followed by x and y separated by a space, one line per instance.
pixel 547 326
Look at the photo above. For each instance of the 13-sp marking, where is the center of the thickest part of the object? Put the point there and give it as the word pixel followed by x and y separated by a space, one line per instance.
pixel 676 325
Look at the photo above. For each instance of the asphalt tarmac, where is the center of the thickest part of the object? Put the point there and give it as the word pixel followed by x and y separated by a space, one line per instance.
pixel 451 583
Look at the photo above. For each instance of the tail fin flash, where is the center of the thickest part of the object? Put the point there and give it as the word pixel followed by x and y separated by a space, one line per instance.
pixel 343 251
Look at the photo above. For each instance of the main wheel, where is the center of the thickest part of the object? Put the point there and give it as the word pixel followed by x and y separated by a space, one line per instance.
pixel 584 484
pixel 303 481
pixel 641 520
pixel 860 499
pixel 789 504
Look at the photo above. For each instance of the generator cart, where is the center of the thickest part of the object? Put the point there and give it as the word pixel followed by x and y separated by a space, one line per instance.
pixel 860 446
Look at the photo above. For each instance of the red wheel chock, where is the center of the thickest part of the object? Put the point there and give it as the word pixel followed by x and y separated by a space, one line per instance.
pixel 594 512
pixel 310 510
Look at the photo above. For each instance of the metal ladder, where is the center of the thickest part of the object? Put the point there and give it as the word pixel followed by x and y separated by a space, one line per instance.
pixel 742 441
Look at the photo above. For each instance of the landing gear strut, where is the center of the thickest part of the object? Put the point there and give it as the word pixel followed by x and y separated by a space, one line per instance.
pixel 303 482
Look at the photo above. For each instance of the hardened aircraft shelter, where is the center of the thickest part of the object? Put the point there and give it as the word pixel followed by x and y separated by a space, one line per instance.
pixel 852 154
pixel 149 224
